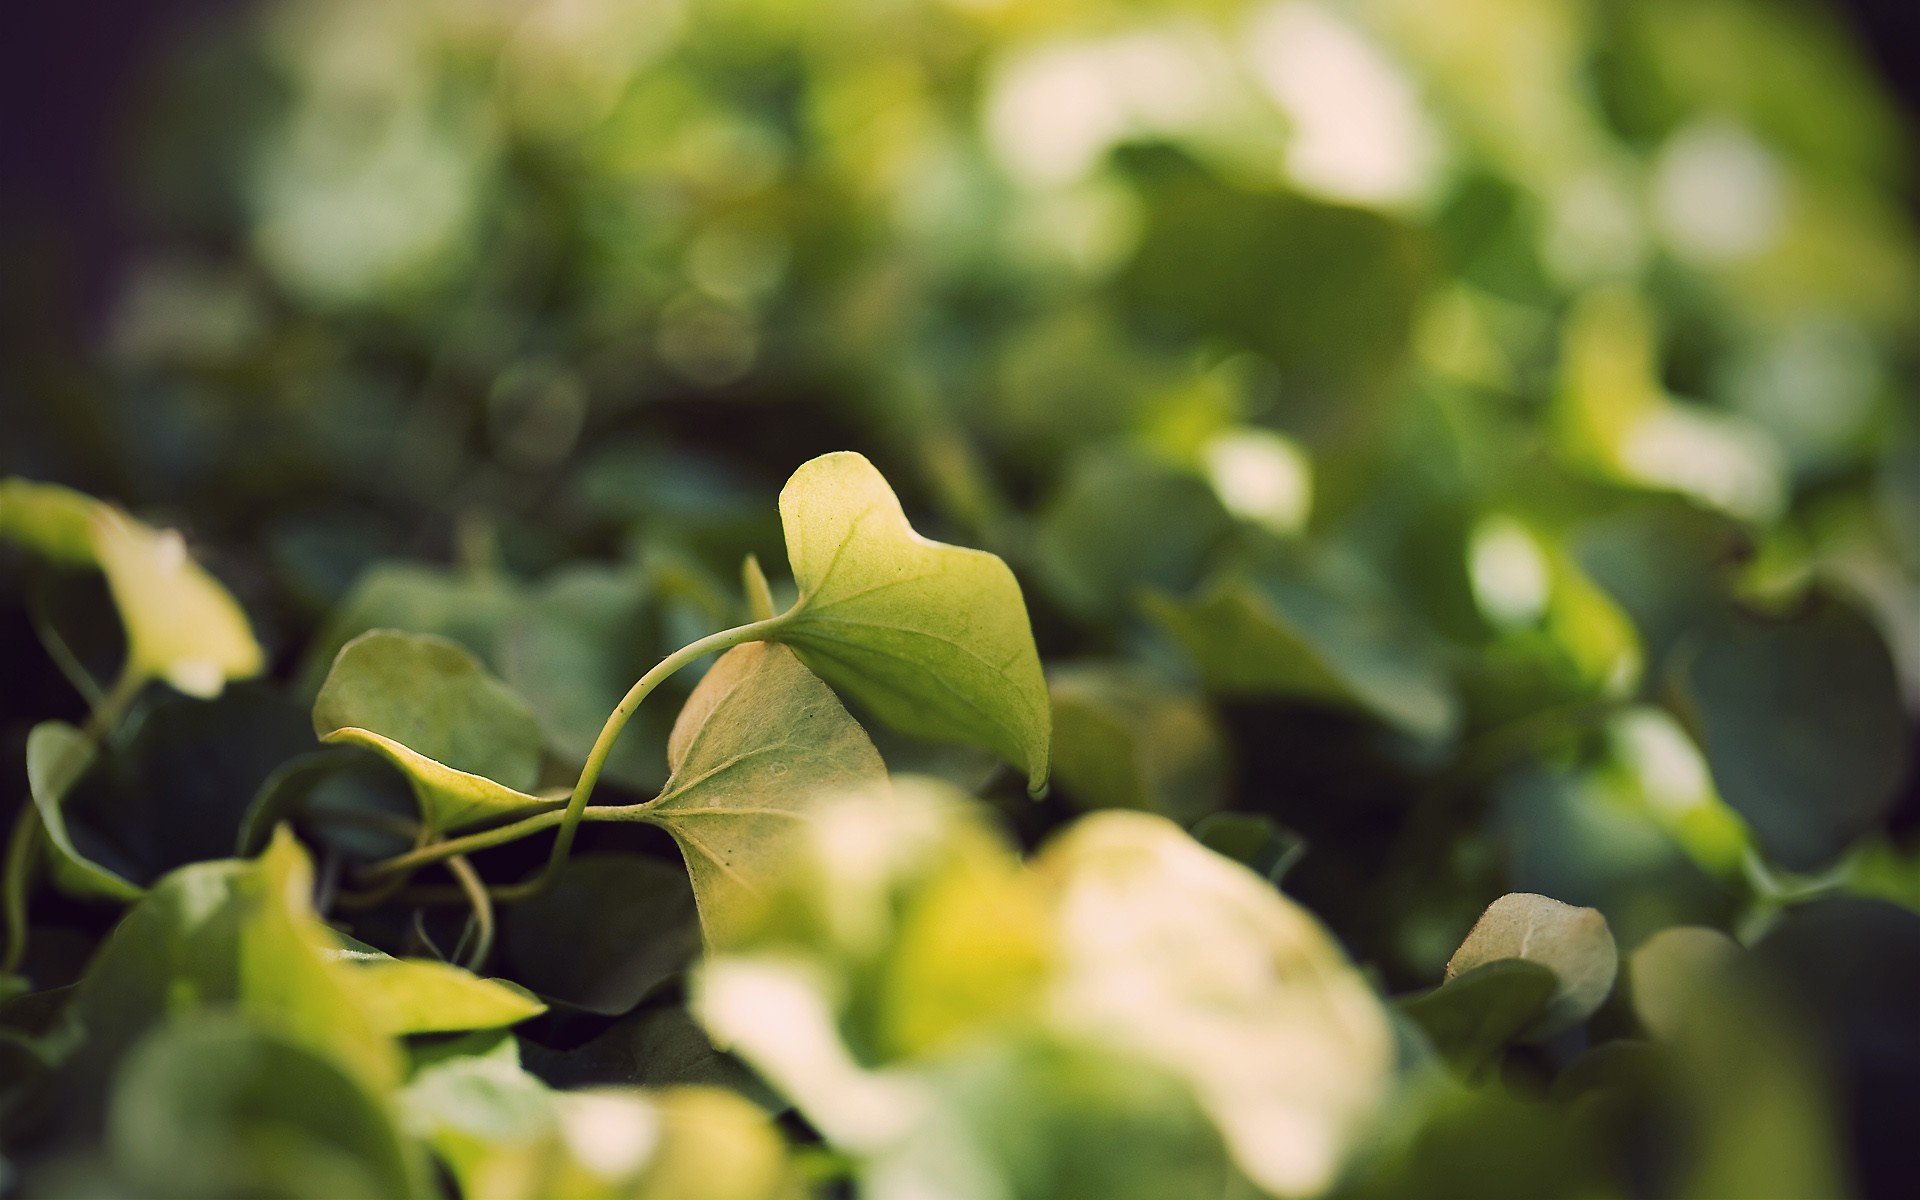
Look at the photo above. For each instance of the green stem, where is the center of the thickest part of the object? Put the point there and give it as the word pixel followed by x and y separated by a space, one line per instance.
pixel 25 839
pixel 476 893
pixel 568 820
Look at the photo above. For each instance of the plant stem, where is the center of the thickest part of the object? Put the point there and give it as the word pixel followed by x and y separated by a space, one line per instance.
pixel 568 819
pixel 25 839
pixel 476 893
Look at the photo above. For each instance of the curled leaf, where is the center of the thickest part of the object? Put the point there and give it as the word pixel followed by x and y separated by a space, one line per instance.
pixel 57 756
pixel 468 745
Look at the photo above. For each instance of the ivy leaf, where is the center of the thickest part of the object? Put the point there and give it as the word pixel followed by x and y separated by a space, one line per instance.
pixel 409 995
pixel 238 933
pixel 934 638
pixel 610 930
pixel 757 742
pixel 53 522
pixel 212 1105
pixel 57 756
pixel 1306 630
pixel 1574 943
pixel 1472 1018
pixel 469 746
pixel 1809 777
pixel 182 626
pixel 1124 739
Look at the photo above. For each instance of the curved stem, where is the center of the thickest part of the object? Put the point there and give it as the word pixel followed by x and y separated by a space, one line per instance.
pixel 568 819
pixel 476 893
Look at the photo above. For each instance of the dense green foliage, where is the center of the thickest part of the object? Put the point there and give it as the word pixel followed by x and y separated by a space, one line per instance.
pixel 1414 694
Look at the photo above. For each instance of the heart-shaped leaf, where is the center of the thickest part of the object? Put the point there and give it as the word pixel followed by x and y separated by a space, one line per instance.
pixel 1574 943
pixel 758 742
pixel 469 746
pixel 934 638
pixel 57 755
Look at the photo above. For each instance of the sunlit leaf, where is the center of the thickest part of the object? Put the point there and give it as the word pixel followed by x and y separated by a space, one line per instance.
pixel 240 934
pixel 1189 959
pixel 758 743
pixel 469 746
pixel 408 995
pixel 182 626
pixel 1574 943
pixel 51 521
pixel 934 638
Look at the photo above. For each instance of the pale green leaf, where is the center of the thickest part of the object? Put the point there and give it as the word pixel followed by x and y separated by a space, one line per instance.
pixel 1574 943
pixel 236 933
pixel 57 755
pixel 51 521
pixel 934 638
pixel 182 625
pixel 468 745
pixel 1304 631
pixel 759 741
pixel 408 996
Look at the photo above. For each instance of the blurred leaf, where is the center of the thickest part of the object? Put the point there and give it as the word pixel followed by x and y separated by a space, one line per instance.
pixel 1574 943
pixel 1124 739
pixel 1257 842
pixel 469 746
pixel 1673 970
pixel 573 651
pixel 415 598
pixel 239 934
pixel 1802 724
pixel 1471 1018
pixel 609 931
pixel 760 740
pixel 933 637
pixel 57 756
pixel 212 1106
pixel 53 522
pixel 1122 523
pixel 182 626
pixel 1291 631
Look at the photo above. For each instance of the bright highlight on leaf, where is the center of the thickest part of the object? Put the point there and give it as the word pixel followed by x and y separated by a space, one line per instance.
pixel 934 638
pixel 468 745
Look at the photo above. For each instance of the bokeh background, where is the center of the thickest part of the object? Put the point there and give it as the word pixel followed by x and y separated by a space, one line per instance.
pixel 1481 438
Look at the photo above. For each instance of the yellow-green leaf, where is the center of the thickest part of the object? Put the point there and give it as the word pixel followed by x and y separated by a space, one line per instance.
pixel 182 626
pixel 53 522
pixel 468 745
pixel 759 741
pixel 57 755
pixel 934 638
pixel 410 995
pixel 1574 943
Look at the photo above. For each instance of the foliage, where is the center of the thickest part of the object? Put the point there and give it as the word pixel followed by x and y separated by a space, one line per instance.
pixel 1415 695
